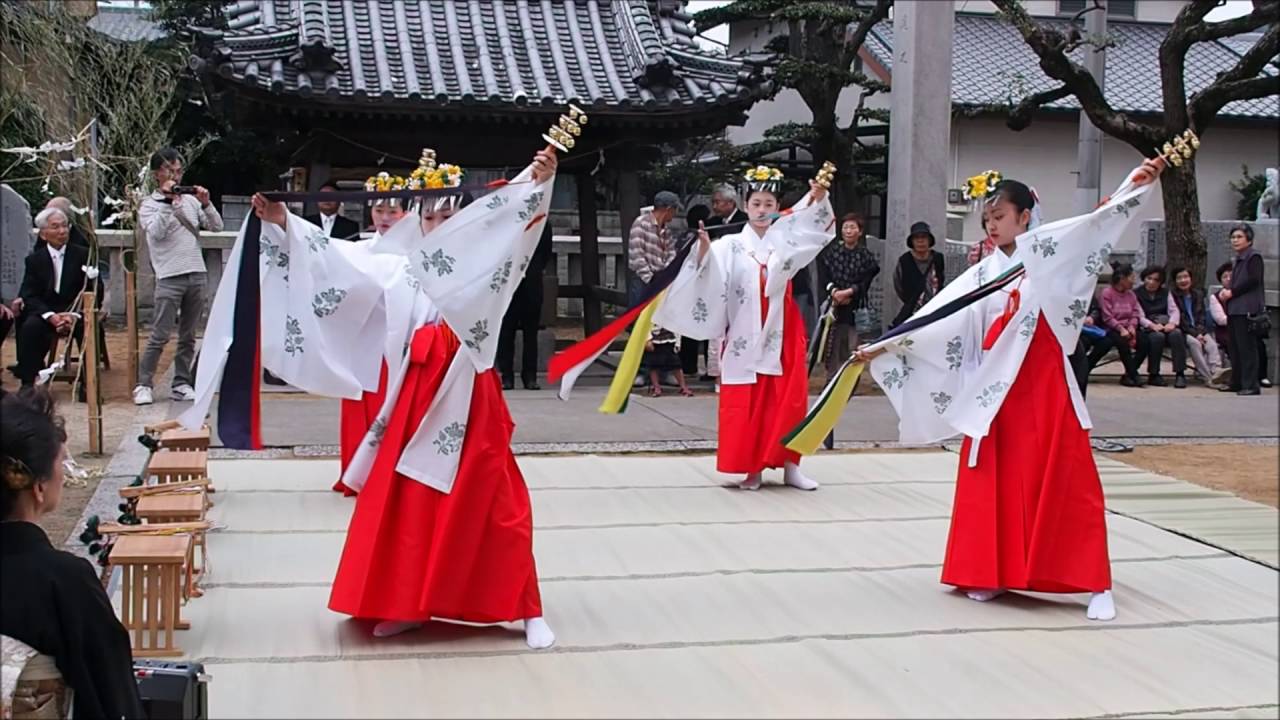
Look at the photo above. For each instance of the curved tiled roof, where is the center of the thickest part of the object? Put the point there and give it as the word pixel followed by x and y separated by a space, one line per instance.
pixel 992 65
pixel 609 56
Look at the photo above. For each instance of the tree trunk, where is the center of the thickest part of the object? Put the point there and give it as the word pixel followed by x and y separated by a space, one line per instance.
pixel 1183 240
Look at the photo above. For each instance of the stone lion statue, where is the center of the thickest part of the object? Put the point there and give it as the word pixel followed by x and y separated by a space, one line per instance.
pixel 1269 201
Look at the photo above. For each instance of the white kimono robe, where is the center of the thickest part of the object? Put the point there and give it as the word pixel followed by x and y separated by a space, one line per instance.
pixel 314 292
pixel 939 379
pixel 720 298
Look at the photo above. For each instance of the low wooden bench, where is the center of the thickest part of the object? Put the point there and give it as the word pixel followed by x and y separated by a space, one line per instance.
pixel 179 508
pixel 178 465
pixel 150 594
pixel 180 439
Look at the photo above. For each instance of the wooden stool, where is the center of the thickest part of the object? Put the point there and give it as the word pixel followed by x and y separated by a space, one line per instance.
pixel 150 599
pixel 178 465
pixel 179 439
pixel 179 507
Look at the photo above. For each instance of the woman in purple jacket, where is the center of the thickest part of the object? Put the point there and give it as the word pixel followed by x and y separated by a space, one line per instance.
pixel 1120 316
pixel 1244 302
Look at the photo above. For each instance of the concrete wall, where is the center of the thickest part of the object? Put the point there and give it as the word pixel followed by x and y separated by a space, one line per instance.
pixel 1044 156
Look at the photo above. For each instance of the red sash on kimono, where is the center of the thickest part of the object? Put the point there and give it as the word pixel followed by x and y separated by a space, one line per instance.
pixel 754 417
pixel 1030 514
pixel 413 553
pixel 356 419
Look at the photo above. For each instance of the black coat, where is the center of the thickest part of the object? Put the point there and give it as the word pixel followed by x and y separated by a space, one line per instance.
pixel 716 225
pixel 913 282
pixel 54 602
pixel 1246 284
pixel 37 292
pixel 343 229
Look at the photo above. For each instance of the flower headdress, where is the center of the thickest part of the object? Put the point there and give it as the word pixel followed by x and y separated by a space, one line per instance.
pixel 427 176
pixel 978 187
pixel 763 178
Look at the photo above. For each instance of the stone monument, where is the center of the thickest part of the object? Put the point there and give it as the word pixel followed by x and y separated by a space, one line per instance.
pixel 16 240
pixel 1269 201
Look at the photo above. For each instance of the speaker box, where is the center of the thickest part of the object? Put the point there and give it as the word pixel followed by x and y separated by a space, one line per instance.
pixel 172 690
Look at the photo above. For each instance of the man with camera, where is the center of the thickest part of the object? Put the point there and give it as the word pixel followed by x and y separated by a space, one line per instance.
pixel 172 218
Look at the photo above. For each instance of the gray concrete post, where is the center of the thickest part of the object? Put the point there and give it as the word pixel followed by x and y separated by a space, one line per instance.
pixel 920 128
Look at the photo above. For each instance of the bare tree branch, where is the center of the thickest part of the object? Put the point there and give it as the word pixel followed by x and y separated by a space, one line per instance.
pixel 859 36
pixel 1021 114
pixel 1048 44
pixel 1241 82
pixel 1264 14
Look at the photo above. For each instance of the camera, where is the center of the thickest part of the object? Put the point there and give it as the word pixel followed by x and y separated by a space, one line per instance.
pixel 183 189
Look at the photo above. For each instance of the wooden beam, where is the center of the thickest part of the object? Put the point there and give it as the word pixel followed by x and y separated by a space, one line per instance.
pixel 589 233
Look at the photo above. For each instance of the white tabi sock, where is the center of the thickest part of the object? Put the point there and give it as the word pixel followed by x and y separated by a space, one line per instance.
pixel 792 476
pixel 1102 606
pixel 537 633
pixel 387 628
pixel 984 595
pixel 751 482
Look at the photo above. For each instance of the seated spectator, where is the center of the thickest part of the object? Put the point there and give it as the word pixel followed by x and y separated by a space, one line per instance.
pixel 1195 328
pixel 1120 316
pixel 75 236
pixel 53 279
pixel 1158 328
pixel 920 272
pixel 53 601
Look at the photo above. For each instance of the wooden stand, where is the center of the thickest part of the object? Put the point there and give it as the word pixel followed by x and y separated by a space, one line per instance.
pixel 178 465
pixel 186 506
pixel 150 599
pixel 179 439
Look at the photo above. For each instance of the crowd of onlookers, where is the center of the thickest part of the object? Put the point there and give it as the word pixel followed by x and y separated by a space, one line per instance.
pixel 1217 338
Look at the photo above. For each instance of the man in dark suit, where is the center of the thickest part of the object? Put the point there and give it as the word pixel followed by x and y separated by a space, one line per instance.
pixel 52 281
pixel 330 218
pixel 724 212
pixel 523 314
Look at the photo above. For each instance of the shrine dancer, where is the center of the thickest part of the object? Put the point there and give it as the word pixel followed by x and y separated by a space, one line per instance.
pixel 739 289
pixel 442 526
pixel 1028 511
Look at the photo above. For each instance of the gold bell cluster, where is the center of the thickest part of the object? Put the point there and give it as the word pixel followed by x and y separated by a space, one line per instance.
pixel 825 175
pixel 561 135
pixel 1181 148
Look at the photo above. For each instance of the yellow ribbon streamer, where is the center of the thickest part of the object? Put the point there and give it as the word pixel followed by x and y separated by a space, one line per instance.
pixel 615 401
pixel 822 419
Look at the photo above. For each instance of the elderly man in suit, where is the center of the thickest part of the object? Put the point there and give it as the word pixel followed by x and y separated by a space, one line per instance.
pixel 53 279
pixel 330 218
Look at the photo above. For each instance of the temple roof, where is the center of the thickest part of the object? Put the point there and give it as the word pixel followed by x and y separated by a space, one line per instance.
pixel 611 57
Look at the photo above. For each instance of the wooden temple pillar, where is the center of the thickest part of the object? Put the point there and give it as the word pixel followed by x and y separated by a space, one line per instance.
pixel 589 239
pixel 319 170
pixel 629 202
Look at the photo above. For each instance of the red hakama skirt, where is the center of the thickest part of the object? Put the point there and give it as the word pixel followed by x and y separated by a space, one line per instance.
pixel 754 417
pixel 356 419
pixel 413 553
pixel 1030 514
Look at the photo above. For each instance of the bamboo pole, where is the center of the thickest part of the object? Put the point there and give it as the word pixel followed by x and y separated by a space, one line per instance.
pixel 131 324
pixel 89 366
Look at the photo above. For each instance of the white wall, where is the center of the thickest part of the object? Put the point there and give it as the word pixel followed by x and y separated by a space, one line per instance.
pixel 1044 156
